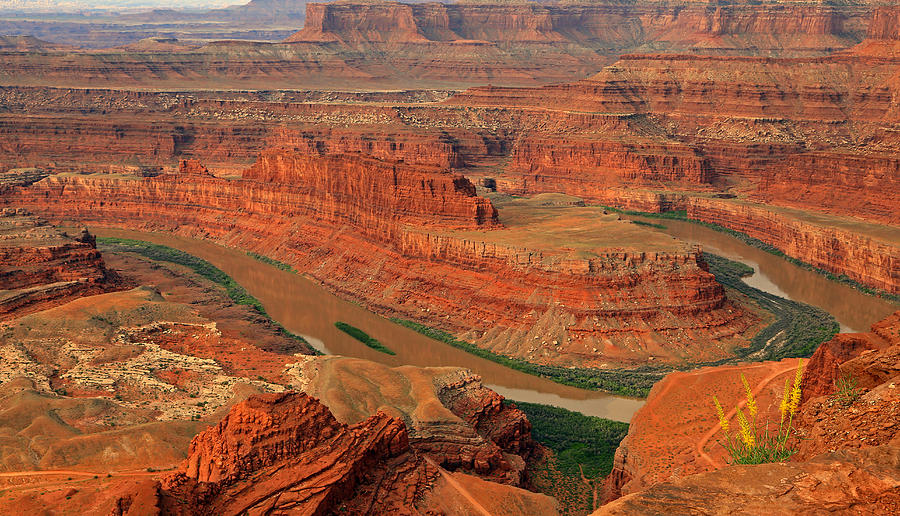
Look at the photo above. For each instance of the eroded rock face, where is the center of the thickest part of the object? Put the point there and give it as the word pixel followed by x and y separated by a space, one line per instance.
pixel 852 481
pixel 673 437
pixel 287 452
pixel 379 231
pixel 41 266
pixel 867 258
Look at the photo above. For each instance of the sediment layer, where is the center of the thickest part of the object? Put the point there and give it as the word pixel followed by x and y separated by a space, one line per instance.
pixel 41 266
pixel 384 234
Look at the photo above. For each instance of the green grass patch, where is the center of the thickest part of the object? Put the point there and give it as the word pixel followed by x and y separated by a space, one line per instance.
pixel 363 337
pixel 587 442
pixel 271 261
pixel 632 382
pixel 202 268
pixel 648 224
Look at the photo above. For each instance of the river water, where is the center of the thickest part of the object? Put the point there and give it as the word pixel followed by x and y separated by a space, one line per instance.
pixel 305 308
pixel 854 311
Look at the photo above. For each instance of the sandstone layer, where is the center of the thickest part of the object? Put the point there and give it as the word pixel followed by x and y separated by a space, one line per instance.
pixel 412 241
pixel 41 266
pixel 386 44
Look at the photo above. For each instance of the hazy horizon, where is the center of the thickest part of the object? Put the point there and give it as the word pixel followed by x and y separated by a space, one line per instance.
pixel 77 5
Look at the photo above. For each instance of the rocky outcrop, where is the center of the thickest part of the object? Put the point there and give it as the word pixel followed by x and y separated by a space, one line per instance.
pixel 848 481
pixel 287 452
pixel 41 266
pixel 834 359
pixel 392 236
pixel 671 448
pixel 357 187
pixel 586 168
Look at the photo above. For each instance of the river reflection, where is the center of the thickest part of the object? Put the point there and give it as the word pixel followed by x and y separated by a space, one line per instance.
pixel 307 309
pixel 855 311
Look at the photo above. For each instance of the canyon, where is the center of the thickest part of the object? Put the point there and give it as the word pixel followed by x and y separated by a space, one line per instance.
pixel 121 388
pixel 418 243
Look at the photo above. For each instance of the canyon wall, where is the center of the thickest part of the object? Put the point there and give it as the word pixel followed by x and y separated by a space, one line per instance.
pixel 41 266
pixel 798 27
pixel 384 234
pixel 867 259
pixel 390 45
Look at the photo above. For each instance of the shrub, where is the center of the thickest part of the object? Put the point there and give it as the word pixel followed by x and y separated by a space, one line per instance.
pixel 363 337
pixel 847 390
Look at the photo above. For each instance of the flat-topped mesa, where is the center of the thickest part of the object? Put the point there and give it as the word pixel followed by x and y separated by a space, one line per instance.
pixel 41 266
pixel 802 27
pixel 355 188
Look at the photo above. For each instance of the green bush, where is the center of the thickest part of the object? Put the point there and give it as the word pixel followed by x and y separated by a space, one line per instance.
pixel 363 337
pixel 577 440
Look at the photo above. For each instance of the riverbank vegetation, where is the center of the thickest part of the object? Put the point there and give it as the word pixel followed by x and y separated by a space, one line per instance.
pixel 798 328
pixel 363 337
pixel 582 448
pixel 202 268
pixel 632 382
pixel 759 244
pixel 271 261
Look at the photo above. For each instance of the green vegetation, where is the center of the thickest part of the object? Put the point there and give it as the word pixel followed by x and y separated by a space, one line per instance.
pixel 847 390
pixel 202 268
pixel 633 382
pixel 798 328
pixel 753 442
pixel 759 244
pixel 581 443
pixel 648 224
pixel 271 261
pixel 363 337
pixel 583 448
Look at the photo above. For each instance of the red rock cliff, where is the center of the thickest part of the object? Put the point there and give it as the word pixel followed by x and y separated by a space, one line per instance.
pixel 364 237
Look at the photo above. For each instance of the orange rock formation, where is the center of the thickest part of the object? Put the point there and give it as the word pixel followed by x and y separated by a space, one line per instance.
pixel 673 437
pixel 383 233
pixel 41 266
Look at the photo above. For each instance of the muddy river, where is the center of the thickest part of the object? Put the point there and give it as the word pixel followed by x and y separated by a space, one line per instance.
pixel 307 309
pixel 854 311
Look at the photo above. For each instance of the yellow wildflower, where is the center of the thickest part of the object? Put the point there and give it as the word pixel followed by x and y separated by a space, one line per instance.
pixel 723 422
pixel 746 431
pixel 795 390
pixel 785 399
pixel 751 401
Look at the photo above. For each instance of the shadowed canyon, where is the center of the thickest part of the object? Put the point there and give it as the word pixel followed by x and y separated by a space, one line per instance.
pixel 504 258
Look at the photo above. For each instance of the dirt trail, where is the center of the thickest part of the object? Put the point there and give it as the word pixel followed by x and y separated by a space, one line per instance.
pixel 462 490
pixel 730 414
